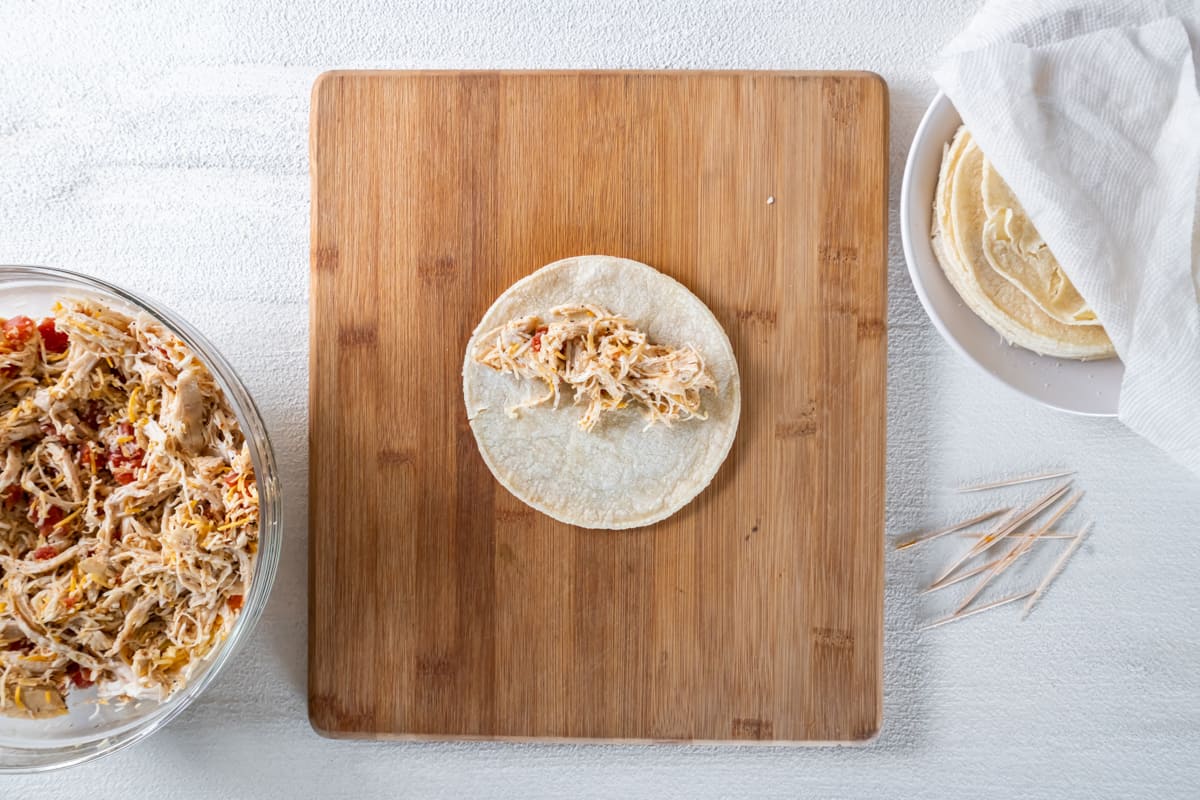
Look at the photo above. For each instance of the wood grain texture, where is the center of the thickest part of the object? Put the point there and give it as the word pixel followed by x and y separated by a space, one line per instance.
pixel 440 605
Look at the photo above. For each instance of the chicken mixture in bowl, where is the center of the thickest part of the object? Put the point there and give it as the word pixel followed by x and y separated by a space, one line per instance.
pixel 129 512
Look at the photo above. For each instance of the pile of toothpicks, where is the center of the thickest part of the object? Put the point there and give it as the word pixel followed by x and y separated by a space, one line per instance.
pixel 1013 533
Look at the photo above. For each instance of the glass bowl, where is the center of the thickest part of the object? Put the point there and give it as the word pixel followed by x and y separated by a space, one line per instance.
pixel 91 730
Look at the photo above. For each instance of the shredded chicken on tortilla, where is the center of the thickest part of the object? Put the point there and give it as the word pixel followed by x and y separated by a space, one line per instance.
pixel 128 510
pixel 607 362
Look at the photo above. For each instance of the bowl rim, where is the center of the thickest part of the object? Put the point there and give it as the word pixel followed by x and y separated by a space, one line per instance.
pixel 941 104
pixel 267 558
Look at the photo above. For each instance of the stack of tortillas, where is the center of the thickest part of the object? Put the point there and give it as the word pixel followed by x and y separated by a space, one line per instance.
pixel 995 259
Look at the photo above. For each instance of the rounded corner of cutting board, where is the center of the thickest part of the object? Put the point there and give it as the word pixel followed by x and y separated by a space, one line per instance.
pixel 323 86
pixel 322 719
pixel 328 723
pixel 875 80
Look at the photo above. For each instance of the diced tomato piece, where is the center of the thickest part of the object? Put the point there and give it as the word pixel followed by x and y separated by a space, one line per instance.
pixel 125 459
pixel 236 601
pixel 14 495
pixel 69 602
pixel 17 331
pixel 132 458
pixel 80 676
pixel 54 515
pixel 90 456
pixel 231 479
pixel 54 340
pixel 45 552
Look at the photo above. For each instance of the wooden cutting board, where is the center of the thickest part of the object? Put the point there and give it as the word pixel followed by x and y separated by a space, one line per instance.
pixel 440 605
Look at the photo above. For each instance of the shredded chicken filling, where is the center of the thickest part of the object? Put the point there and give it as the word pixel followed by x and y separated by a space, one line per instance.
pixel 604 359
pixel 128 510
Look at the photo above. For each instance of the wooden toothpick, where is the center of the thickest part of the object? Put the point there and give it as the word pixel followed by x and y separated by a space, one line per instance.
pixel 1047 535
pixel 1055 570
pixel 1018 550
pixel 971 573
pixel 1045 476
pixel 955 617
pixel 927 537
pixel 1008 525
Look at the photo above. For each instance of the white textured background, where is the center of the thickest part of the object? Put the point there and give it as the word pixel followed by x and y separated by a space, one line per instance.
pixel 163 146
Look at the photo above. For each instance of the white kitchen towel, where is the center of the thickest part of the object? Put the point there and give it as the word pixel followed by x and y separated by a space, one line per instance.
pixel 1090 112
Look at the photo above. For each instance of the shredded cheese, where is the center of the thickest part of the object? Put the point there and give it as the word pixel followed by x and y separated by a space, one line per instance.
pixel 62 522
pixel 133 393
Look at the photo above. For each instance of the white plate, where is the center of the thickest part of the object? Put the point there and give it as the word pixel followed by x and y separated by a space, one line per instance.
pixel 1090 387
